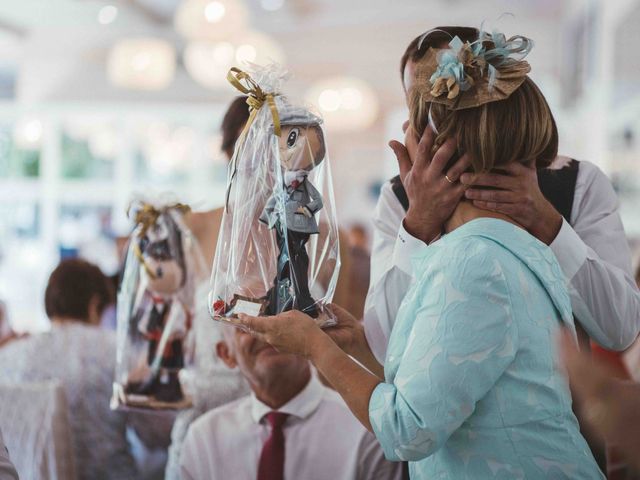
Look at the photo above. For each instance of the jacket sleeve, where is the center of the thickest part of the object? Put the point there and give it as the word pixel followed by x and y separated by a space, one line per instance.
pixel 316 199
pixel 459 345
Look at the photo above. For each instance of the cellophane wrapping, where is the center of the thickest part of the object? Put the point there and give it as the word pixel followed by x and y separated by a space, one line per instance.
pixel 155 308
pixel 278 244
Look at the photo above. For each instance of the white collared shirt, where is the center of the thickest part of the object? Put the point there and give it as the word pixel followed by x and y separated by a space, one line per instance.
pixel 323 441
pixel 592 251
pixel 7 470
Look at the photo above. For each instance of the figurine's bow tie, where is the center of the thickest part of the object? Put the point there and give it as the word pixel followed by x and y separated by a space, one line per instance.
pixel 294 178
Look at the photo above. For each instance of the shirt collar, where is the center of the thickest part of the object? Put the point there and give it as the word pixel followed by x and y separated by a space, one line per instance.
pixel 301 406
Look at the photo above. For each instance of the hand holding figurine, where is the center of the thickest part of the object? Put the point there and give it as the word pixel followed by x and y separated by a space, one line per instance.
pixel 290 332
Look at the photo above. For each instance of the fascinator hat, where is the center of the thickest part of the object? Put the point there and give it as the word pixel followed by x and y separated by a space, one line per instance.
pixel 470 74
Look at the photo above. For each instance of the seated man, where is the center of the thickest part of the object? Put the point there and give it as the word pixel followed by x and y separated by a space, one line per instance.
pixel 290 427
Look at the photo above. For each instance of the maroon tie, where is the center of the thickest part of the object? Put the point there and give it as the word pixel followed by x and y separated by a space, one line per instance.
pixel 271 466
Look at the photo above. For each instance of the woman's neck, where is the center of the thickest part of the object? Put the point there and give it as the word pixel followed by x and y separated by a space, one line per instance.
pixel 466 211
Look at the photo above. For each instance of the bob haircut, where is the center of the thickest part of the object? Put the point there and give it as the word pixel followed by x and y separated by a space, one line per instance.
pixel 520 128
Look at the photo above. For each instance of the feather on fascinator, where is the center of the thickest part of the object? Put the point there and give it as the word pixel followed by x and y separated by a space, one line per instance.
pixel 470 74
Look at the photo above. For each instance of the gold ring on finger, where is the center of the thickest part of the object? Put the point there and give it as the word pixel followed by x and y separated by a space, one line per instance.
pixel 446 177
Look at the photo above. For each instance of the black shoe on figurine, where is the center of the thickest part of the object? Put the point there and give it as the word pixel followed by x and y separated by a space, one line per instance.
pixel 167 388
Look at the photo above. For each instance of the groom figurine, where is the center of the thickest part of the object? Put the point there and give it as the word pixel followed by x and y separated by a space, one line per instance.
pixel 301 146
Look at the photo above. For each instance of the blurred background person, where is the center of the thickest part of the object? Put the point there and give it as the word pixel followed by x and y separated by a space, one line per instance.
pixel 610 406
pixel 82 357
pixel 360 268
pixel 6 332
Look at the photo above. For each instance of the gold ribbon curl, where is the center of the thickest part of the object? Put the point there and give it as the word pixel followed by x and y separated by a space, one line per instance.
pixel 256 97
pixel 147 217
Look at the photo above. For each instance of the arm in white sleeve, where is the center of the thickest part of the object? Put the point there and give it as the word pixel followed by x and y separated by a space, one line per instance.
pixel 189 461
pixel 390 270
pixel 595 258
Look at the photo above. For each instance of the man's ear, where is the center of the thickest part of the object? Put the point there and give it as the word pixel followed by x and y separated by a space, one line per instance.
pixel 225 354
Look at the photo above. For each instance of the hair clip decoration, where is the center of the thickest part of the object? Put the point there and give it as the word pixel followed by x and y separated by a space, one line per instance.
pixel 469 74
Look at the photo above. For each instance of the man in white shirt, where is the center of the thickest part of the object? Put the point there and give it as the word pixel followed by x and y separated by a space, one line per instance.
pixel 591 247
pixel 290 427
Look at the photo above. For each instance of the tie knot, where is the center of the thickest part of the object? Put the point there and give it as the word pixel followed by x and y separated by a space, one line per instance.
pixel 276 419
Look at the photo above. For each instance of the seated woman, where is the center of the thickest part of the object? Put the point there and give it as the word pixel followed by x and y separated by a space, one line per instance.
pixel 82 357
pixel 469 387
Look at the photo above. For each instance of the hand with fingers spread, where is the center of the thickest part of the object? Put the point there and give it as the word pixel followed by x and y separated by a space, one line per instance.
pixel 290 332
pixel 516 193
pixel 433 192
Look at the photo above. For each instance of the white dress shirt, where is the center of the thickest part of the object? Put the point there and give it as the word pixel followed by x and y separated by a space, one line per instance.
pixel 7 470
pixel 323 441
pixel 592 251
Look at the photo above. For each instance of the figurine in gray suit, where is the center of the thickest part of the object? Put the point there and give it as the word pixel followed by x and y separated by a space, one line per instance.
pixel 291 211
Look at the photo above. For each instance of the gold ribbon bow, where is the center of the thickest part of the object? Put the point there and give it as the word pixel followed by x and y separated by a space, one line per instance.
pixel 256 95
pixel 255 99
pixel 146 217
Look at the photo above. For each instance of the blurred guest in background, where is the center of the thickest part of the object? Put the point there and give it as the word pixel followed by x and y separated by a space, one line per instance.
pixel 360 270
pixel 82 357
pixel 109 316
pixel 6 332
pixel 290 427
pixel 609 405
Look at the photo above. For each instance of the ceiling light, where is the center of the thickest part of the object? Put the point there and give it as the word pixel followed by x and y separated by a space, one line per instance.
pixel 329 100
pixel 246 53
pixel 351 98
pixel 216 20
pixel 209 62
pixel 347 103
pixel 142 64
pixel 272 5
pixel 107 14
pixel 28 134
pixel 214 12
